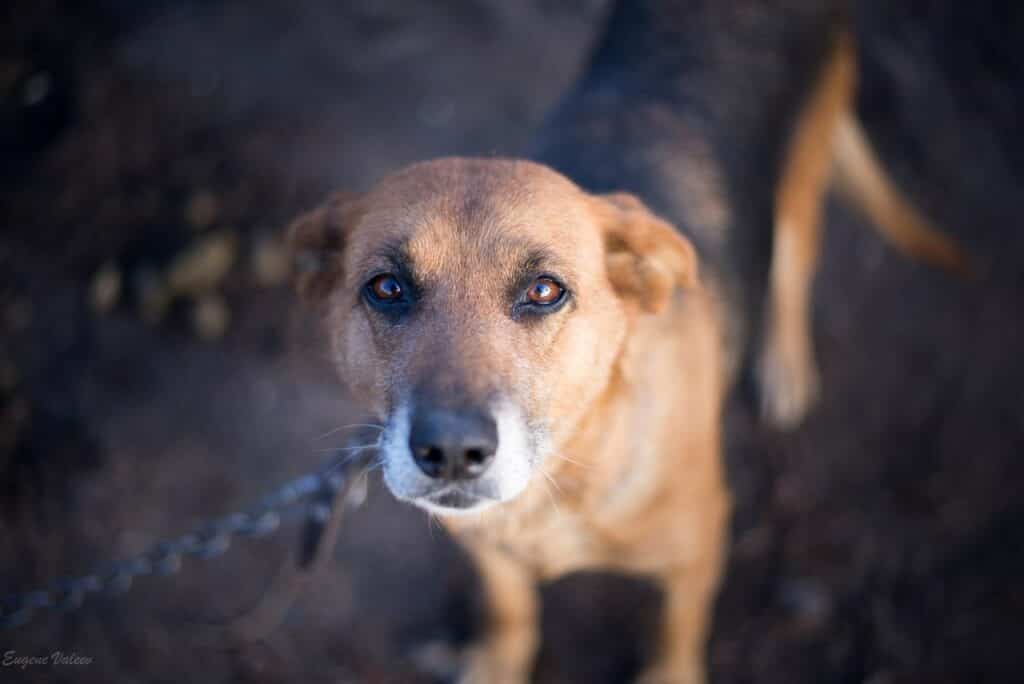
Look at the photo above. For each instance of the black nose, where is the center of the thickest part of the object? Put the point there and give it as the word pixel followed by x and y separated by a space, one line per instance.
pixel 451 444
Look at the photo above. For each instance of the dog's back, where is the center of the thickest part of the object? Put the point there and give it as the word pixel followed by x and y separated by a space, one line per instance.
pixel 690 106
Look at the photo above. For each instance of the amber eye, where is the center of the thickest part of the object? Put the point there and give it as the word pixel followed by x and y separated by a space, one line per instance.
pixel 544 291
pixel 385 288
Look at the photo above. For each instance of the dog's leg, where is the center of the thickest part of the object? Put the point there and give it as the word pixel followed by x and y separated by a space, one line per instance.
pixel 689 596
pixel 787 373
pixel 506 653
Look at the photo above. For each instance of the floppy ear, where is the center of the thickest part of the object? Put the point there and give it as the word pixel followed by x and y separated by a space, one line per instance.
pixel 316 242
pixel 646 257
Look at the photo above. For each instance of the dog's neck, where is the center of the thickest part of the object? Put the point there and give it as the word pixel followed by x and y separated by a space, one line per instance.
pixel 643 413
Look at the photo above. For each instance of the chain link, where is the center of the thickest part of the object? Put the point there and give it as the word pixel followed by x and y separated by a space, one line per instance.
pixel 209 541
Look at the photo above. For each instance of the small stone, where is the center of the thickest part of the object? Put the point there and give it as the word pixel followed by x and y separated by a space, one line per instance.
pixel 106 289
pixel 270 263
pixel 211 317
pixel 807 600
pixel 202 209
pixel 437 658
pixel 203 266
pixel 37 88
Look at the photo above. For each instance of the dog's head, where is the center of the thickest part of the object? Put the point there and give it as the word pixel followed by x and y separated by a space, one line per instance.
pixel 478 308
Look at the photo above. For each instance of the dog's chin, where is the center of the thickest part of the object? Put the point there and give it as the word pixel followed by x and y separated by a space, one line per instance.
pixel 453 501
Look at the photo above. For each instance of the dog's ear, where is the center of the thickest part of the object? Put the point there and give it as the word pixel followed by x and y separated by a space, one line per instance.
pixel 646 257
pixel 316 242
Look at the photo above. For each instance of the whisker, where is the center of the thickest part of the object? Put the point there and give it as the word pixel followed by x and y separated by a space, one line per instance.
pixel 370 465
pixel 373 465
pixel 342 450
pixel 348 455
pixel 554 482
pixel 551 496
pixel 571 460
pixel 347 427
pixel 433 523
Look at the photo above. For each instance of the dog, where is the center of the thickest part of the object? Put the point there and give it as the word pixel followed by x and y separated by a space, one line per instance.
pixel 549 343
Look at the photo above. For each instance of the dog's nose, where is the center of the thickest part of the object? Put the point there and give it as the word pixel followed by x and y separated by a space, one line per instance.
pixel 453 445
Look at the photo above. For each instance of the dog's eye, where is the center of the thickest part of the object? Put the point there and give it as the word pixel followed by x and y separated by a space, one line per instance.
pixel 545 295
pixel 385 288
pixel 545 292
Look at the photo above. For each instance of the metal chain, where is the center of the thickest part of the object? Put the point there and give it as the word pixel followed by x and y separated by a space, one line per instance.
pixel 208 541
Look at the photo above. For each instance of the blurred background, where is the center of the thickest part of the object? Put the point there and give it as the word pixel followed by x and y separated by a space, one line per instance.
pixel 155 370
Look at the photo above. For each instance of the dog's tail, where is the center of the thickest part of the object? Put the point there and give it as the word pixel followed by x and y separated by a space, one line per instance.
pixel 828 147
pixel 861 178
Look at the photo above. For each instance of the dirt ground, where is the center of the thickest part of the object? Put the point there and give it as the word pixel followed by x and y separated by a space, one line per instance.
pixel 878 543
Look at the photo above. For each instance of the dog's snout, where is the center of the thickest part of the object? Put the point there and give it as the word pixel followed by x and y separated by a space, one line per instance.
pixel 453 445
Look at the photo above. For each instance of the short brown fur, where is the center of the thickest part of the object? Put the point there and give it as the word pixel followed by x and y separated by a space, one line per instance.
pixel 630 381
pixel 662 510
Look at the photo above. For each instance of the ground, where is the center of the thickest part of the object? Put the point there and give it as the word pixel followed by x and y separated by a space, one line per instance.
pixel 154 370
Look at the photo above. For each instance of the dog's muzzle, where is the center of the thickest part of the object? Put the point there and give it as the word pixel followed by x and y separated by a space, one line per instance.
pixel 453 460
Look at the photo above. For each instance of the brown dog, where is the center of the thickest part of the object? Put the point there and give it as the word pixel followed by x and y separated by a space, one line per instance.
pixel 550 364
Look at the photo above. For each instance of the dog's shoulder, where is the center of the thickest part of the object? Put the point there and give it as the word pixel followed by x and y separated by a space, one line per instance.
pixel 689 106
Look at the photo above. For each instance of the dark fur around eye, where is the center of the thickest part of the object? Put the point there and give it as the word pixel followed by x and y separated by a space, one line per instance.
pixel 388 294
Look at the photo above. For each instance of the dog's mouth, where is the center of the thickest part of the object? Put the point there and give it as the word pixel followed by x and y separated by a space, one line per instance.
pixel 455 500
